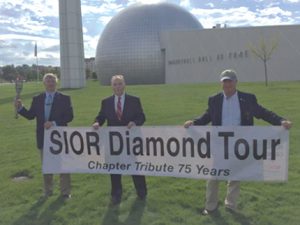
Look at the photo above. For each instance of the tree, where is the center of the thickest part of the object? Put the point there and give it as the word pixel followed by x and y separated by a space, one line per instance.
pixel 94 76
pixel 9 73
pixel 88 73
pixel 29 73
pixel 24 71
pixel 263 51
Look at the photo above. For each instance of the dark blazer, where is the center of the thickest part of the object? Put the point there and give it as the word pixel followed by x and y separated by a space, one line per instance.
pixel 248 106
pixel 61 113
pixel 132 111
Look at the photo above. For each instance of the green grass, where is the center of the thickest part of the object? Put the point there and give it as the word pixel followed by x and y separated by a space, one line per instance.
pixel 170 200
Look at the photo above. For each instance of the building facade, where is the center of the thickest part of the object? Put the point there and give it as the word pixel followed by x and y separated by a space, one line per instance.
pixel 130 42
pixel 200 55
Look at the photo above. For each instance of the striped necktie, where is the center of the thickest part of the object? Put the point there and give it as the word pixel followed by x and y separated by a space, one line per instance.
pixel 119 108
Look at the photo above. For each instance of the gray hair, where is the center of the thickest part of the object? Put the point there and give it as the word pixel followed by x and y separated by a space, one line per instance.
pixel 117 77
pixel 50 75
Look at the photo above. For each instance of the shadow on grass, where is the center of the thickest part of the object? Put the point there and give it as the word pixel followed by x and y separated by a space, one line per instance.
pixel 218 219
pixel 35 217
pixel 134 216
pixel 239 218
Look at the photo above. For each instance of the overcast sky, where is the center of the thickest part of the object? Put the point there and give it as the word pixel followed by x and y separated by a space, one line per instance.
pixel 22 22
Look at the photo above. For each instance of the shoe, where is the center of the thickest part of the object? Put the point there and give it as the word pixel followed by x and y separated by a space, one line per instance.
pixel 43 198
pixel 142 197
pixel 48 194
pixel 141 194
pixel 66 196
pixel 206 212
pixel 115 199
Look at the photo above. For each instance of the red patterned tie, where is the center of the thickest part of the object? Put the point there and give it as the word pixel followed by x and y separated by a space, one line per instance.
pixel 119 108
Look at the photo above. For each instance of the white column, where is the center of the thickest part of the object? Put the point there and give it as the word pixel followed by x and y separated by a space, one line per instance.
pixel 72 67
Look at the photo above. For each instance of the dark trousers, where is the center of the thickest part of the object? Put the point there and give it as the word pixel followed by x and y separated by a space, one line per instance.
pixel 138 180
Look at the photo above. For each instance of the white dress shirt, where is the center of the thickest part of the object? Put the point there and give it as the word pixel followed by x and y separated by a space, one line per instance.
pixel 49 93
pixel 231 112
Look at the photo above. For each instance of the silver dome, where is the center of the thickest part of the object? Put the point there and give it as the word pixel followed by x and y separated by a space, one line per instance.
pixel 129 44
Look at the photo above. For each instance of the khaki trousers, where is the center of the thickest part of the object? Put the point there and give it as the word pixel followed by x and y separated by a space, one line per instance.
pixel 212 191
pixel 64 181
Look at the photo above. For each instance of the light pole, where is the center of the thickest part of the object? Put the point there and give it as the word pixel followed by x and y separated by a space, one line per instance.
pixel 37 62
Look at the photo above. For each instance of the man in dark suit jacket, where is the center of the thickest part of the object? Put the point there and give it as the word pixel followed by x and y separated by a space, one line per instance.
pixel 122 110
pixel 231 108
pixel 50 108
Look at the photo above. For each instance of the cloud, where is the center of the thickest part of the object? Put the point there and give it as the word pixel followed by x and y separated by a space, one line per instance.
pixel 90 45
pixel 273 11
pixel 28 17
pixel 131 2
pixel 19 49
pixel 210 4
pixel 291 1
pixel 243 16
pixel 53 48
pixel 24 21
pixel 210 17
pixel 105 8
pixel 105 19
pixel 102 13
pixel 6 44
pixel 185 3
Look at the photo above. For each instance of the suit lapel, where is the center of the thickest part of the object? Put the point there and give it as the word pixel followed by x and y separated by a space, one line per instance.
pixel 41 106
pixel 242 101
pixel 243 107
pixel 111 103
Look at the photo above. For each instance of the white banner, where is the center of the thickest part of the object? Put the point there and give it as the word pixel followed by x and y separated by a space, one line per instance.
pixel 200 152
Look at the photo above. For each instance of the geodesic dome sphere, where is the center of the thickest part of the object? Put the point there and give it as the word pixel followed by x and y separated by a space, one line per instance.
pixel 130 43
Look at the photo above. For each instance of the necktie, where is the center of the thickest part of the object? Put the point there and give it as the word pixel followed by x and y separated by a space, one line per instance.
pixel 119 108
pixel 48 105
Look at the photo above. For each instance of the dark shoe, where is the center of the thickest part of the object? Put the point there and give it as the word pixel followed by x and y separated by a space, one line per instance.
pixel 141 194
pixel 142 197
pixel 115 200
pixel 44 197
pixel 66 196
pixel 48 194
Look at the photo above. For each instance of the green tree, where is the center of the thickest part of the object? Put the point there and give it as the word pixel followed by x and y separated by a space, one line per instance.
pixel 24 71
pixel 263 51
pixel 94 76
pixel 9 72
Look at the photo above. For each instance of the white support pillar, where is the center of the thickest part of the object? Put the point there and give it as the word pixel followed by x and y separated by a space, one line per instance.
pixel 72 67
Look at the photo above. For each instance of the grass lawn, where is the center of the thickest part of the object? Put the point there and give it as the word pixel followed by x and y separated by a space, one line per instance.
pixel 170 200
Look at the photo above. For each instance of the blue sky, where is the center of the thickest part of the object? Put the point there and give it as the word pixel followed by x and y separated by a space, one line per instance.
pixel 22 22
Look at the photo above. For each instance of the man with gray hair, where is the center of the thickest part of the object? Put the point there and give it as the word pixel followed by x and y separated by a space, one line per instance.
pixel 122 109
pixel 231 108
pixel 50 108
